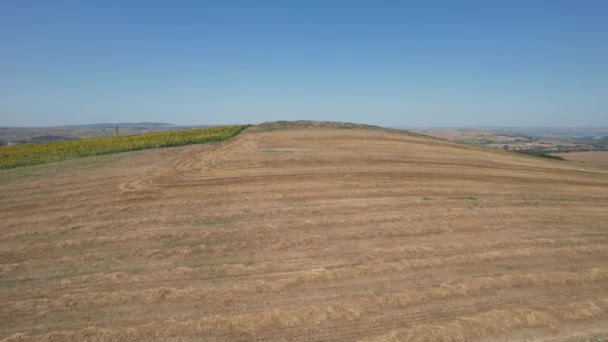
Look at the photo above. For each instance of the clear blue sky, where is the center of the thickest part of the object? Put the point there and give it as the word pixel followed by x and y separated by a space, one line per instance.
pixel 396 63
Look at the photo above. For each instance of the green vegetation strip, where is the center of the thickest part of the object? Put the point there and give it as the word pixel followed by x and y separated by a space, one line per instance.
pixel 38 153
pixel 541 154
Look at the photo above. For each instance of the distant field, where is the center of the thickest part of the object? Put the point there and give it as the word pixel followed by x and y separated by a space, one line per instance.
pixel 467 135
pixel 38 134
pixel 316 234
pixel 514 139
pixel 594 157
pixel 30 154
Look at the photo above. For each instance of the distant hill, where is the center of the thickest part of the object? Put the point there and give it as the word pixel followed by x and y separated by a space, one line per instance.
pixel 20 135
pixel 124 124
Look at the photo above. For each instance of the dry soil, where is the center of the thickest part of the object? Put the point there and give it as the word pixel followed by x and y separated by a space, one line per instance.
pixel 305 234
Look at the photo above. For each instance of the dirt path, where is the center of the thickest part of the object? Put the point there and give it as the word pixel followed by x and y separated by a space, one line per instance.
pixel 313 234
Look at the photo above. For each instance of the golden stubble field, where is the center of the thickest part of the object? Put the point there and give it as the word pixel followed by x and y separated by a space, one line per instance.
pixel 593 157
pixel 305 234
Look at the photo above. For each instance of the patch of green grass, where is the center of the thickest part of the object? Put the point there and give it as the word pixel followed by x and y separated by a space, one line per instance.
pixel 294 201
pixel 195 260
pixel 134 270
pixel 218 240
pixel 210 221
pixel 268 128
pixel 184 243
pixel 426 198
pixel 464 197
pixel 540 154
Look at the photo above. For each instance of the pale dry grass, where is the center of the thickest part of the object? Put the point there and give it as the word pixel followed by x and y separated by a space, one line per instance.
pixel 593 157
pixel 496 321
pixel 313 234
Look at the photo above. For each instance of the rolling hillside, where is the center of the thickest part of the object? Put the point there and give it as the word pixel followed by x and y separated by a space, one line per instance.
pixel 305 234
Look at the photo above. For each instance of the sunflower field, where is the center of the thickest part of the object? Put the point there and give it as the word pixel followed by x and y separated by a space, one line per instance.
pixel 38 153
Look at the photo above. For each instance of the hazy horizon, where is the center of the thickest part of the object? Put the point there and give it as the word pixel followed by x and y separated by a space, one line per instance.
pixel 427 64
pixel 142 123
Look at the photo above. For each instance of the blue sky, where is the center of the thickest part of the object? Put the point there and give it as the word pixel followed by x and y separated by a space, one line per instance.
pixel 393 63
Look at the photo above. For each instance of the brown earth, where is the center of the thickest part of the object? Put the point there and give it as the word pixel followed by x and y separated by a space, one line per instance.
pixel 311 234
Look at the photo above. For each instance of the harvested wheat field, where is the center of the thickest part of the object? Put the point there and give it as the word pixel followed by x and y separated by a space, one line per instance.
pixel 311 234
pixel 593 157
